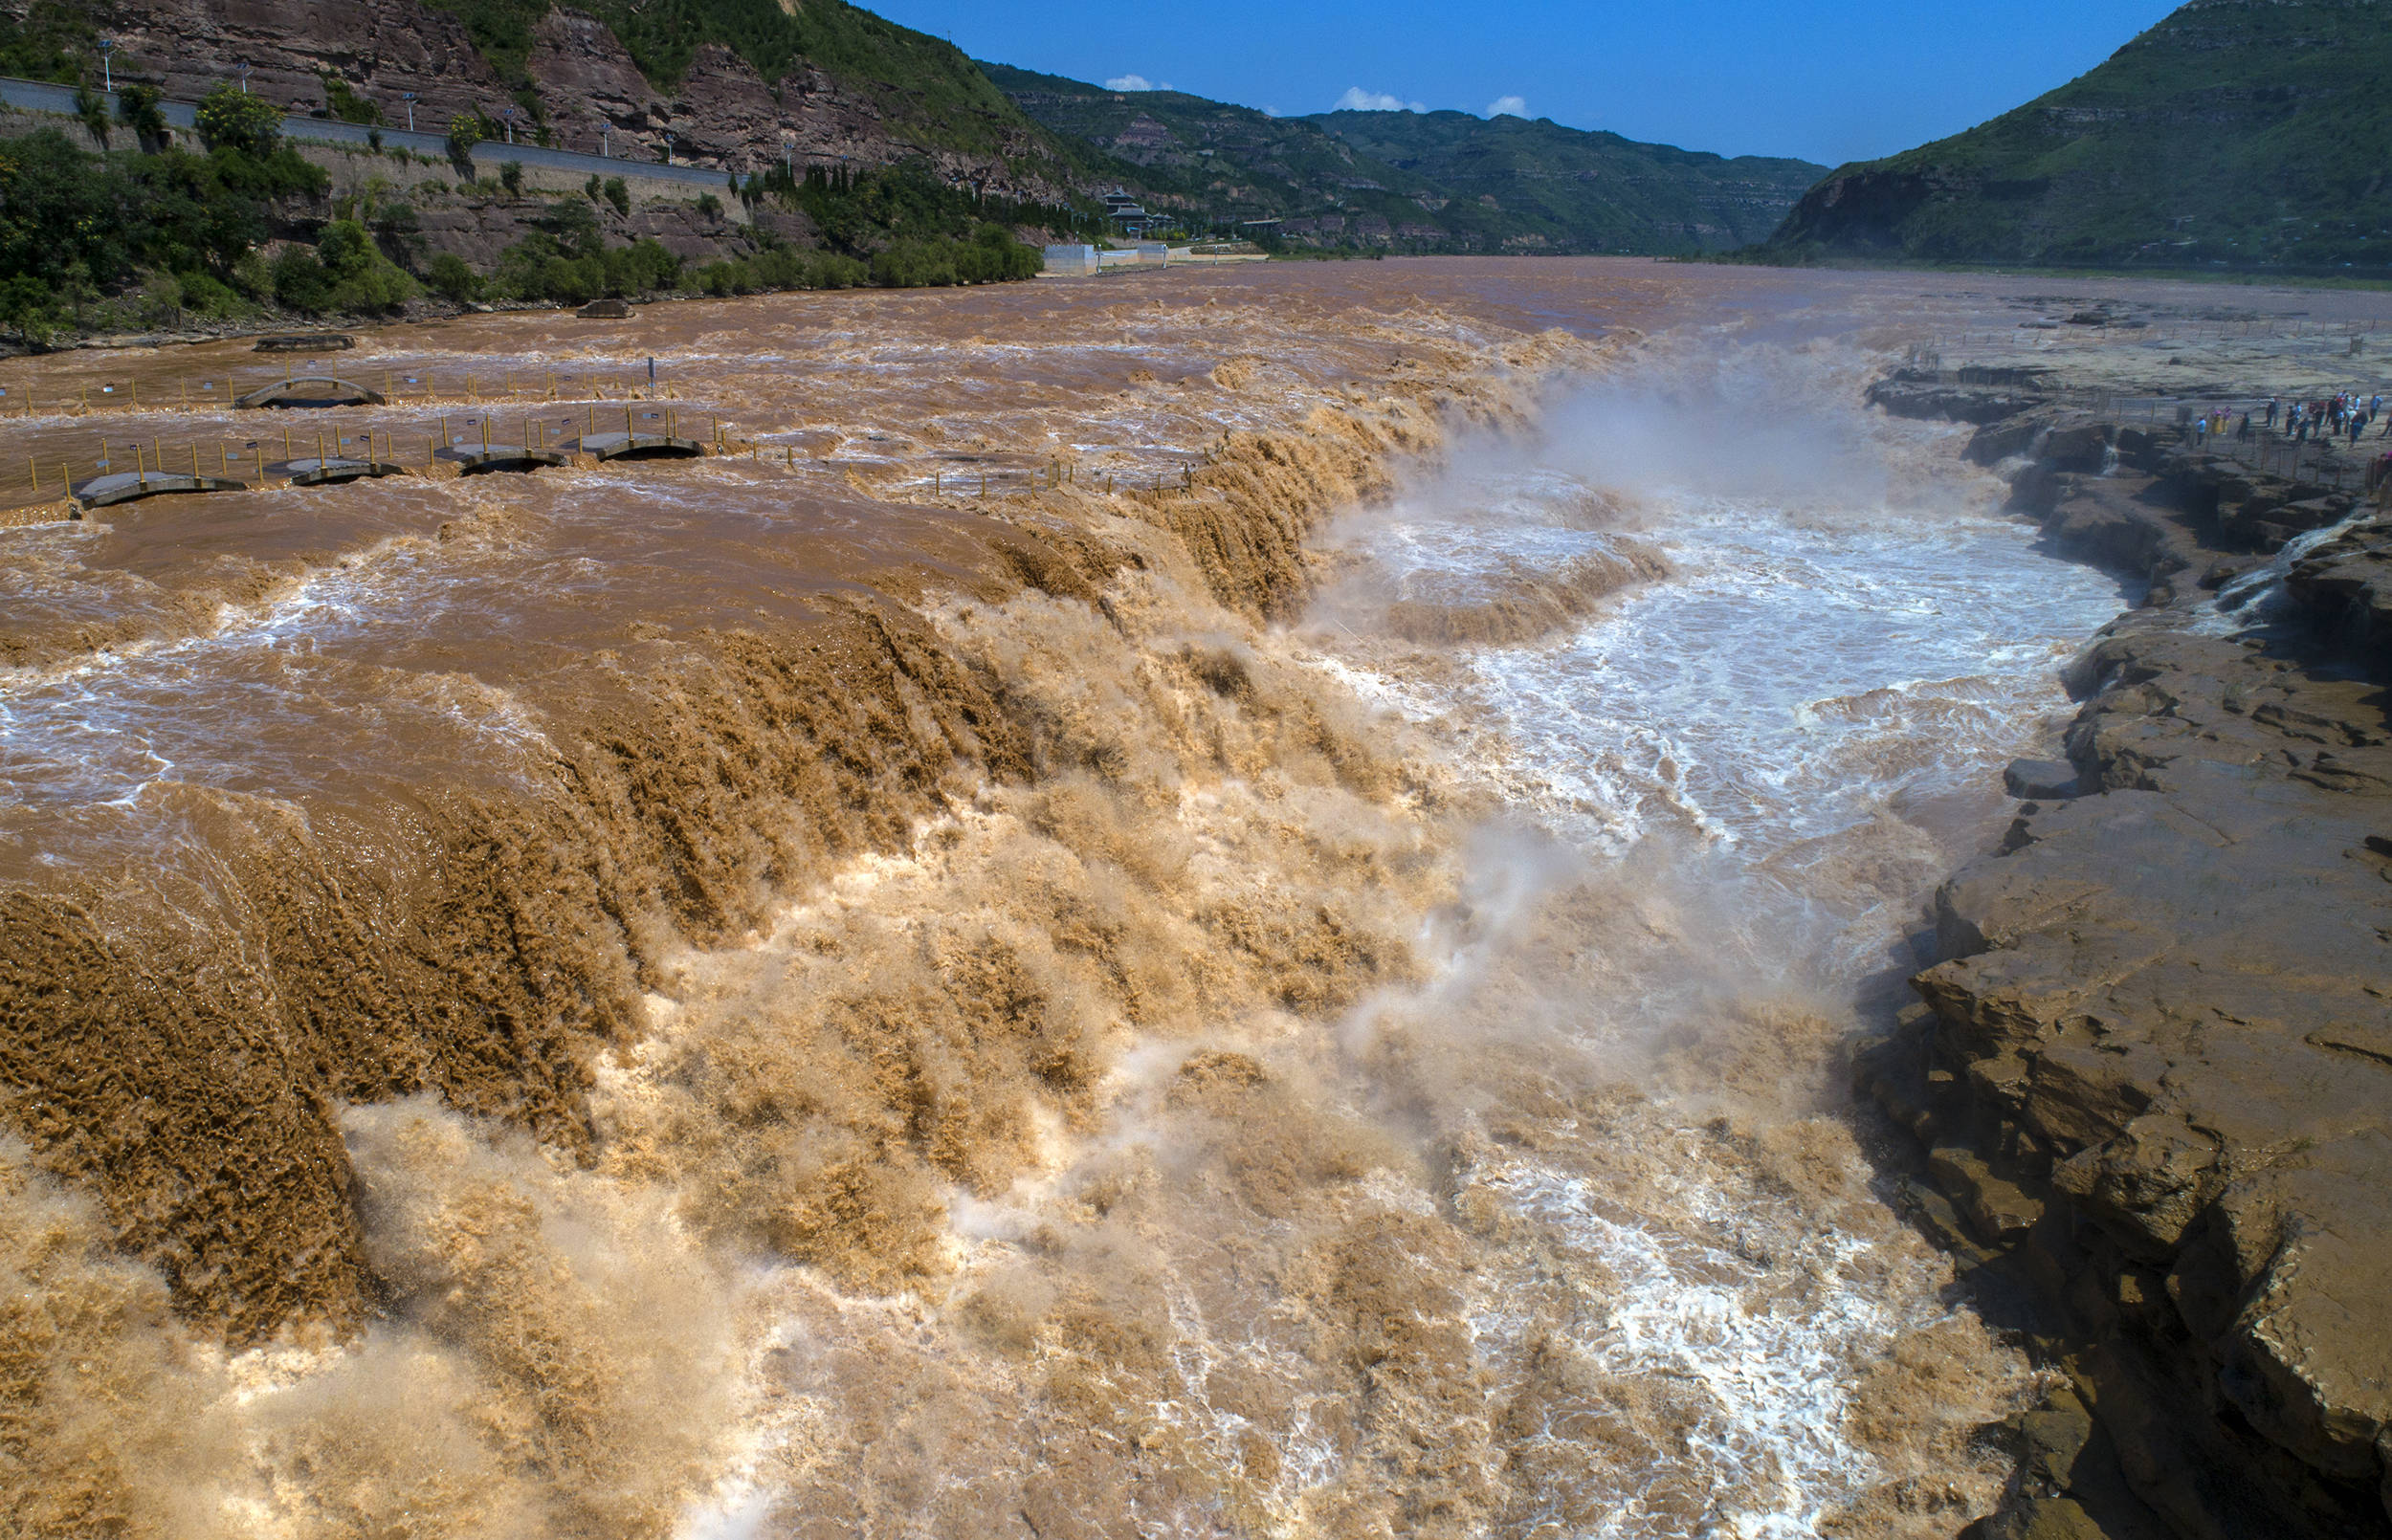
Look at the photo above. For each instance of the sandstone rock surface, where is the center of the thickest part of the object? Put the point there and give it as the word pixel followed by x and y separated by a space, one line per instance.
pixel 2154 1069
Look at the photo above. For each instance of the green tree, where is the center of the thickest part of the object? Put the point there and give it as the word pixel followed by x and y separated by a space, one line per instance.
pixel 619 194
pixel 466 130
pixel 452 280
pixel 231 119
pixel 511 178
pixel 138 109
pixel 362 278
pixel 575 229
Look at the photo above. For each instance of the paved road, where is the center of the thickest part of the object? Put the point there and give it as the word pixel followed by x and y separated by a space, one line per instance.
pixel 38 96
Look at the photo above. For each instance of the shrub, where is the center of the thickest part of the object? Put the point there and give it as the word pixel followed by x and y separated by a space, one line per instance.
pixel 619 194
pixel 345 272
pixel 346 104
pixel 230 118
pixel 210 296
pixel 452 280
pixel 466 130
pixel 299 281
pixel 511 178
pixel 138 109
pixel 27 308
pixel 579 268
pixel 363 278
pixel 161 300
pixel 93 108
pixel 589 189
pixel 709 205
pixel 574 226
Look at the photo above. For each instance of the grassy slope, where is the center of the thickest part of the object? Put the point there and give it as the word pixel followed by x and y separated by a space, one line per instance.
pixel 54 41
pixel 1554 188
pixel 1581 190
pixel 2232 133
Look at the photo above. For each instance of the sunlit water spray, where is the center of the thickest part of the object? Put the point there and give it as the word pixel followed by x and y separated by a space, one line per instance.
pixel 1780 748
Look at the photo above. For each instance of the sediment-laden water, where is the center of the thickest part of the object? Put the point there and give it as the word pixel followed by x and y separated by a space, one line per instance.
pixel 795 999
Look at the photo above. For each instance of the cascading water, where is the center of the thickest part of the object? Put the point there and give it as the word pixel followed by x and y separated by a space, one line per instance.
pixel 1781 746
pixel 968 1017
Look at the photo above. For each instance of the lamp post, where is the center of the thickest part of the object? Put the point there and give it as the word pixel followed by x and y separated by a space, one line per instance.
pixel 789 159
pixel 605 140
pixel 107 77
pixel 668 146
pixel 409 96
pixel 506 115
pixel 242 68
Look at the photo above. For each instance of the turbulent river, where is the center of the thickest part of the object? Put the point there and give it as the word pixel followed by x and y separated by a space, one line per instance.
pixel 1284 974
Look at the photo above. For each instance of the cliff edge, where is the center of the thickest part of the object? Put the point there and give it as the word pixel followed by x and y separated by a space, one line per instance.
pixel 2151 1073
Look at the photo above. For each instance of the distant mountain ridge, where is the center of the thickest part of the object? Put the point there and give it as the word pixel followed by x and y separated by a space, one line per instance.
pixel 2237 134
pixel 1439 181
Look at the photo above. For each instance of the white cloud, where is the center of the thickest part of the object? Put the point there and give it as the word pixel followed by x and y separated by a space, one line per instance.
pixel 1507 107
pixel 1129 82
pixel 1358 100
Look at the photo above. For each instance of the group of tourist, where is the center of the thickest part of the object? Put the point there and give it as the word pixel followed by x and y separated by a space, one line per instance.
pixel 2345 415
pixel 2325 419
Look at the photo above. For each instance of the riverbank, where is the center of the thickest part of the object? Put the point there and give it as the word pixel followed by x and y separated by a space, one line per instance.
pixel 2149 1077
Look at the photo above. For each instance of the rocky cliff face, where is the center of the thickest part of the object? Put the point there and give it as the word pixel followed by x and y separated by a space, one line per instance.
pixel 591 94
pixel 2153 1076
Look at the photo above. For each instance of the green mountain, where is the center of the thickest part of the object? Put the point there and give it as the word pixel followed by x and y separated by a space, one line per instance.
pixel 2252 134
pixel 1433 182
pixel 1568 190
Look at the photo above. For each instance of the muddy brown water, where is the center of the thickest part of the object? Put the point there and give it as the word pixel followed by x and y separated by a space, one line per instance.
pixel 781 995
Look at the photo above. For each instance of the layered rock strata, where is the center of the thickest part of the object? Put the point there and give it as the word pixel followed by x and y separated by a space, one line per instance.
pixel 593 97
pixel 2151 1073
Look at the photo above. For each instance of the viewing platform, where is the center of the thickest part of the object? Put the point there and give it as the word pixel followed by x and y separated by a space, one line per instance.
pixel 638 447
pixel 303 343
pixel 320 391
pixel 335 471
pixel 131 486
pixel 477 459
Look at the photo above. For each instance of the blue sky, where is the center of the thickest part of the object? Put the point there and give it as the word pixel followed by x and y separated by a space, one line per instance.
pixel 1826 81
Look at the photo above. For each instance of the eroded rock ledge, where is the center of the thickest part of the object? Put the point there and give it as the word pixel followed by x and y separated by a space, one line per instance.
pixel 2152 1076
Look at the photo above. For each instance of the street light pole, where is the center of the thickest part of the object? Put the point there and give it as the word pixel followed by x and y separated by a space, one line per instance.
pixel 409 96
pixel 107 77
pixel 243 67
pixel 668 146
